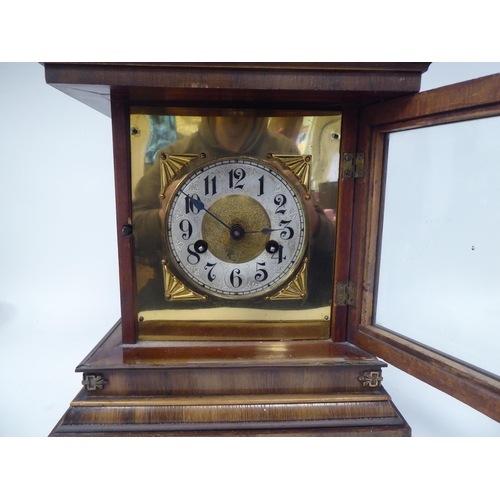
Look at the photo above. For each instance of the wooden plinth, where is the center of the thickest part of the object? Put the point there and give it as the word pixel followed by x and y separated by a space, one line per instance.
pixel 298 388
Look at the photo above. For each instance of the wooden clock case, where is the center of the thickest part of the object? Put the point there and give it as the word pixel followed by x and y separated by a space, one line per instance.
pixel 327 387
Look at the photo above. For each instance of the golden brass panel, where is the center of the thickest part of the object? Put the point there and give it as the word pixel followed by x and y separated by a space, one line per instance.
pixel 311 164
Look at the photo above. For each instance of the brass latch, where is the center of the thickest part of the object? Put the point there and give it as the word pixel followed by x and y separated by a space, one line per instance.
pixel 353 165
pixel 345 294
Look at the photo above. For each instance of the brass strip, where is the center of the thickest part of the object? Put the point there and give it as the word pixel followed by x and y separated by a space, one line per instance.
pixel 239 314
pixel 208 330
pixel 234 400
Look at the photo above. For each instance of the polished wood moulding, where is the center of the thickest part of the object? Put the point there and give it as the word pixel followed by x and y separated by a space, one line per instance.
pixel 316 388
pixel 249 415
pixel 324 85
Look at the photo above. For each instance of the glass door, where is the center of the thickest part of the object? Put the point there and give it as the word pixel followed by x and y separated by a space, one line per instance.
pixel 427 233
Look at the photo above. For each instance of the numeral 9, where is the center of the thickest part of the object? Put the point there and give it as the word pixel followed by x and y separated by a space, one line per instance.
pixel 186 228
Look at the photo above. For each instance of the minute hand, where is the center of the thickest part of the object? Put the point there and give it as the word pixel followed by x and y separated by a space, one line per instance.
pixel 201 206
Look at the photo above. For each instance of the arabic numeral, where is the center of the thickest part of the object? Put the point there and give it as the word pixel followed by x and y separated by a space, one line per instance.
pixel 210 267
pixel 186 228
pixel 236 177
pixel 280 201
pixel 210 186
pixel 193 257
pixel 278 255
pixel 191 205
pixel 288 231
pixel 235 279
pixel 261 186
pixel 261 274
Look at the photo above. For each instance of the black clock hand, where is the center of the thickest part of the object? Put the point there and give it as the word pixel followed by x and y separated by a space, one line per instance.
pixel 266 230
pixel 201 206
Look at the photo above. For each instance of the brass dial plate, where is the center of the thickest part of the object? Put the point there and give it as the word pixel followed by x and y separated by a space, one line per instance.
pixel 220 220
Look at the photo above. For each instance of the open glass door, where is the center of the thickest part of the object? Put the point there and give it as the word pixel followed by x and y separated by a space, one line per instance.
pixel 426 239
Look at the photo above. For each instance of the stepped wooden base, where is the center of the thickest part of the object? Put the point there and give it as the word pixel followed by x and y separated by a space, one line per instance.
pixel 305 388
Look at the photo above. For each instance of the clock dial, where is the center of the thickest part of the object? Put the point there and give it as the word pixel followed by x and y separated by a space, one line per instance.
pixel 236 228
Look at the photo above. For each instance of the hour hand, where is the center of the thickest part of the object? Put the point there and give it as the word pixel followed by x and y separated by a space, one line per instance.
pixel 266 230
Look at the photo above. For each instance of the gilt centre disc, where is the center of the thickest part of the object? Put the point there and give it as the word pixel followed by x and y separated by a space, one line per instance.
pixel 236 210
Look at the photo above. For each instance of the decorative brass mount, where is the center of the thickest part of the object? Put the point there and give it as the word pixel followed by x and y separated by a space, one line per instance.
pixel 371 379
pixel 175 289
pixel 171 165
pixel 300 166
pixel 297 288
pixel 93 382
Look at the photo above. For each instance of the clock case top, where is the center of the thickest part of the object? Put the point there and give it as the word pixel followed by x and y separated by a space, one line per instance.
pixel 293 85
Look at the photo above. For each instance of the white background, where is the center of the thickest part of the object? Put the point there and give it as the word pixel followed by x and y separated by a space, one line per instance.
pixel 58 269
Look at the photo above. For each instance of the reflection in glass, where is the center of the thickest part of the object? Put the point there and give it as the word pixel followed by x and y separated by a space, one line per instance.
pixel 236 134
pixel 439 275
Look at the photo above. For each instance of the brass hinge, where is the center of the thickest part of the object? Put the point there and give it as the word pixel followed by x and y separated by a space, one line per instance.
pixel 345 293
pixel 353 165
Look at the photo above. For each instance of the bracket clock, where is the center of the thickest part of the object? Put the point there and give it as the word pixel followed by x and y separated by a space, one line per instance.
pixel 245 225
